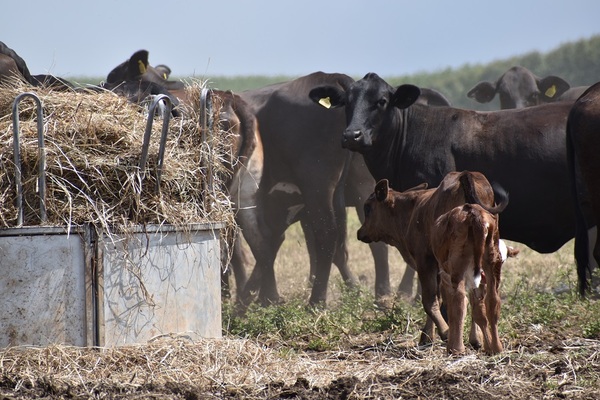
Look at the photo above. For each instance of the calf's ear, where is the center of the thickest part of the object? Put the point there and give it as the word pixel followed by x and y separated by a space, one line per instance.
pixel 328 96
pixel 381 190
pixel 405 96
pixel 483 92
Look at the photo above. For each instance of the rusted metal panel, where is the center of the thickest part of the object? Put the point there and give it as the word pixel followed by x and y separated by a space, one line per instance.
pixel 42 288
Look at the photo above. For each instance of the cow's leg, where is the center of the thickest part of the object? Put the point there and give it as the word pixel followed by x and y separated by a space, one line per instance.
pixel 321 220
pixel 406 284
pixel 492 305
pixel 244 192
pixel 311 247
pixel 485 303
pixel 478 322
pixel 428 276
pixel 379 250
pixel 340 258
pixel 262 279
pixel 264 232
pixel 240 259
pixel 593 237
pixel 479 330
pixel 358 187
pixel 453 286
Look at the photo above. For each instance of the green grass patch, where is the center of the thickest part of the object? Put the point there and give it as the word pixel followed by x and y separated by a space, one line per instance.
pixel 310 328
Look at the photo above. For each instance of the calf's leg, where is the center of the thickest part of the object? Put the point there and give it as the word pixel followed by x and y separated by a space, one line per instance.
pixel 428 276
pixel 492 304
pixel 455 297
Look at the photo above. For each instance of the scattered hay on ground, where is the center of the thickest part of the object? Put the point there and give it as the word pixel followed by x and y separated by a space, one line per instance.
pixel 372 367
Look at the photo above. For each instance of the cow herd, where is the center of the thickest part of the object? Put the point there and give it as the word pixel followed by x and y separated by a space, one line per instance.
pixel 294 165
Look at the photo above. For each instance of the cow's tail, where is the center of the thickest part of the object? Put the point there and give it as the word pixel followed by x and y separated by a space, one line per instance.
pixel 478 234
pixel 500 195
pixel 582 258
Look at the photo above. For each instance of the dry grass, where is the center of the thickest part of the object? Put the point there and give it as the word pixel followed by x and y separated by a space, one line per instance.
pixel 93 144
pixel 368 368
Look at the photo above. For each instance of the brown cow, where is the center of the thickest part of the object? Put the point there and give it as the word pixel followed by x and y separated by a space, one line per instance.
pixel 405 221
pixel 466 244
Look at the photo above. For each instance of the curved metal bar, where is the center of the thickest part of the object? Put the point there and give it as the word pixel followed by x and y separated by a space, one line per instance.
pixel 163 137
pixel 206 126
pixel 41 155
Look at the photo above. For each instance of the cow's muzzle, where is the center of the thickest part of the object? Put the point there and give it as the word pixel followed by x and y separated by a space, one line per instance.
pixel 363 236
pixel 355 139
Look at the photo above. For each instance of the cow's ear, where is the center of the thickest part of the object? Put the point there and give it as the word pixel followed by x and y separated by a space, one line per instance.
pixel 405 96
pixel 552 87
pixel 138 63
pixel 328 96
pixel 483 92
pixel 381 190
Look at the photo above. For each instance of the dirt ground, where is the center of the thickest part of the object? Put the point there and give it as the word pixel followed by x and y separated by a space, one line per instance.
pixel 537 364
pixel 550 361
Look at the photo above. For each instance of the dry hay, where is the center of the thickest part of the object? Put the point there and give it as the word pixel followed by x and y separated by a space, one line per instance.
pixel 93 144
pixel 372 367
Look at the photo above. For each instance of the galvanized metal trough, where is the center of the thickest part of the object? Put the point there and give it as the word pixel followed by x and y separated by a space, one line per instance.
pixel 75 286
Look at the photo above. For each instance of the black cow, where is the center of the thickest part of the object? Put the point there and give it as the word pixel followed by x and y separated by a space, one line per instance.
pixel 522 149
pixel 583 143
pixel 12 65
pixel 136 79
pixel 519 88
pixel 304 180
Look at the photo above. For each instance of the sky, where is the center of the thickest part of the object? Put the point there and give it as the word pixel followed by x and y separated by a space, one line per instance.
pixel 72 38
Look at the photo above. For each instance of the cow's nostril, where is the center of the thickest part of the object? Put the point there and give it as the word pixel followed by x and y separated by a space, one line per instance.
pixel 352 134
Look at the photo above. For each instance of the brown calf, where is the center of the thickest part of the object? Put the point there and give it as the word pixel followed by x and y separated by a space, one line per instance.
pixel 465 242
pixel 405 220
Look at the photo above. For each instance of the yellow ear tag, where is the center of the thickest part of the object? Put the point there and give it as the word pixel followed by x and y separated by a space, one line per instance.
pixel 142 67
pixel 325 102
pixel 551 91
pixel 165 75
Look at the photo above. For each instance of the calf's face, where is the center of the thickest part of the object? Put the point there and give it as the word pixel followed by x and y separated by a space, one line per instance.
pixel 384 211
pixel 378 214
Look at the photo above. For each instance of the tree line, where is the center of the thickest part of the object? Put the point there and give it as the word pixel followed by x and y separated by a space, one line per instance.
pixel 577 62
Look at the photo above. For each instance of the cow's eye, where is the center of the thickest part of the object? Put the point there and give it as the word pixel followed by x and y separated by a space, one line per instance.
pixel 382 103
pixel 534 99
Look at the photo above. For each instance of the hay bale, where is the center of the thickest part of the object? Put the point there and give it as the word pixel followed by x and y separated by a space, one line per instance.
pixel 93 144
